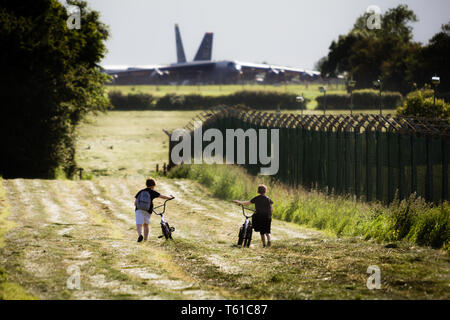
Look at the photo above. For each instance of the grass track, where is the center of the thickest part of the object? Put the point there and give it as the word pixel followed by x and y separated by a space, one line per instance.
pixel 90 224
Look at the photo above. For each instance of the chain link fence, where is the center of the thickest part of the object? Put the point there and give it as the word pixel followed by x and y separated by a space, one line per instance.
pixel 373 157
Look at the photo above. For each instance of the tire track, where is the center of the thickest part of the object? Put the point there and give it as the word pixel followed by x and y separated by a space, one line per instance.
pixel 167 285
pixel 90 224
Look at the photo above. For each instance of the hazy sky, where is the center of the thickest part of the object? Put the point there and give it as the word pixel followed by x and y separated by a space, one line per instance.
pixel 286 32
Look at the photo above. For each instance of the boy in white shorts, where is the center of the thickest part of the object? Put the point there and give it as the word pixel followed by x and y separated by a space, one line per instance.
pixel 143 215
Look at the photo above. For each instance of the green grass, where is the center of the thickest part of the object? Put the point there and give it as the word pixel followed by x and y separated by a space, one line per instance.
pixel 5 224
pixel 412 220
pixel 132 142
pixel 122 143
pixel 8 290
pixel 301 264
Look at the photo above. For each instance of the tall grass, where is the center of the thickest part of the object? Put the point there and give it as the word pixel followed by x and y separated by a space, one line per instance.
pixel 412 220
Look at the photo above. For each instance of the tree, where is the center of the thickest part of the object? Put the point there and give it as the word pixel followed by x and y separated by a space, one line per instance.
pixel 50 81
pixel 370 54
pixel 435 57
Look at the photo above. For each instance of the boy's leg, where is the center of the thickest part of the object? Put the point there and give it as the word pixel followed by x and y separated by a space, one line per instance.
pixel 146 230
pixel 139 229
pixel 263 239
pixel 268 239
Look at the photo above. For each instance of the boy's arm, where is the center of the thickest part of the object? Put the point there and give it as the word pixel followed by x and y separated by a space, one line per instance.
pixel 242 203
pixel 166 197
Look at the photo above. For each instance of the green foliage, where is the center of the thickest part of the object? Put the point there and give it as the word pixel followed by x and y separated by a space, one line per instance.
pixel 420 103
pixel 262 100
pixel 136 101
pixel 362 99
pixel 173 101
pixel 412 220
pixel 50 82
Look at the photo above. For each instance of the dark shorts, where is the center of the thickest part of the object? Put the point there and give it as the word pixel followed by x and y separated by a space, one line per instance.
pixel 261 223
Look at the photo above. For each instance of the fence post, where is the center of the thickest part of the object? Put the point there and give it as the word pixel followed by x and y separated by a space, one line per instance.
pixel 357 151
pixel 444 169
pixel 328 168
pixel 378 157
pixel 401 168
pixel 429 172
pixel 368 195
pixel 413 167
pixel 389 165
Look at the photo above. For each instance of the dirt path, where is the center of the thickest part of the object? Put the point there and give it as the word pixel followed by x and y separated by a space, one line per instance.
pixel 89 226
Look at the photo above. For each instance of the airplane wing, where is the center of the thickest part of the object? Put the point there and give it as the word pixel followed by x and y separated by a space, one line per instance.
pixel 274 73
pixel 153 74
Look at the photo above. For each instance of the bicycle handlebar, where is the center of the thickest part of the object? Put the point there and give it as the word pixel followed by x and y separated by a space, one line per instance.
pixel 164 207
pixel 245 208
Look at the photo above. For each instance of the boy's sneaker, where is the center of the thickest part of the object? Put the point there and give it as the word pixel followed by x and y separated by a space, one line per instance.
pixel 140 238
pixel 269 243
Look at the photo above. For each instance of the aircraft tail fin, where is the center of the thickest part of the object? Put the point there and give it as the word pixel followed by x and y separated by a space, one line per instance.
pixel 180 50
pixel 205 50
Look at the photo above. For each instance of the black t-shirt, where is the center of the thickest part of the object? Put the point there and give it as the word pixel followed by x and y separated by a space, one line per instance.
pixel 153 195
pixel 263 205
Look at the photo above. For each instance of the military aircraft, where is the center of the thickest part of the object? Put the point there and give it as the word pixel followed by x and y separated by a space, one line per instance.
pixel 203 70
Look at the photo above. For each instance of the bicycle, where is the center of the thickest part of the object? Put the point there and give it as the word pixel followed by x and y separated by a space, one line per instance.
pixel 245 232
pixel 165 227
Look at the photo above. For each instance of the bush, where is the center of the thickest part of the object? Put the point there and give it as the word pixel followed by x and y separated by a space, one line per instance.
pixel 420 103
pixel 137 101
pixel 263 100
pixel 186 102
pixel 362 99
pixel 260 100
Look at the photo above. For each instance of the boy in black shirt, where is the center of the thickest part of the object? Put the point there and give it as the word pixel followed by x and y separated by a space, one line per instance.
pixel 262 219
pixel 142 215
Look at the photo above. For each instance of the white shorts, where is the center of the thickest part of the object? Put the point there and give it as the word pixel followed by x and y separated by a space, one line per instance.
pixel 142 217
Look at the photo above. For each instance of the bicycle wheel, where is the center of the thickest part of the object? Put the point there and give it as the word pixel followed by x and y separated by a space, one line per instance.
pixel 249 238
pixel 165 230
pixel 170 229
pixel 241 236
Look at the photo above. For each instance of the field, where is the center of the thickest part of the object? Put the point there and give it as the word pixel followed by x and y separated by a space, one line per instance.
pixel 124 143
pixel 49 227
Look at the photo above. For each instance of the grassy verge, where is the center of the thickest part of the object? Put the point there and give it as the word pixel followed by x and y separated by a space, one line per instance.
pixel 412 220
pixel 5 224
pixel 8 289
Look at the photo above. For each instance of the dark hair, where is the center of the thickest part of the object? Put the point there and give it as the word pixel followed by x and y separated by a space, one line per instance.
pixel 262 189
pixel 150 182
